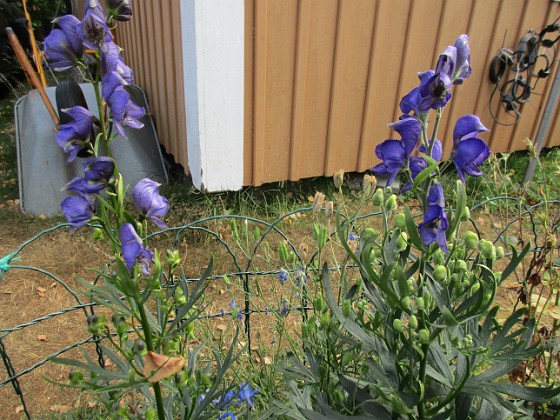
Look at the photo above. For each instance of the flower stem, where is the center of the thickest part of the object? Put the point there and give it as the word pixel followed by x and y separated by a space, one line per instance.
pixel 149 345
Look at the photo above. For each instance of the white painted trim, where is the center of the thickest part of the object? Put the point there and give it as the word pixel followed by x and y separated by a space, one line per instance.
pixel 213 63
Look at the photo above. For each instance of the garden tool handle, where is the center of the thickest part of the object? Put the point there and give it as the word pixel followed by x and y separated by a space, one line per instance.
pixel 30 74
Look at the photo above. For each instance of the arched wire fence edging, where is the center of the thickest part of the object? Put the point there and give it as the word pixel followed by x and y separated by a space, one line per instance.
pixel 243 271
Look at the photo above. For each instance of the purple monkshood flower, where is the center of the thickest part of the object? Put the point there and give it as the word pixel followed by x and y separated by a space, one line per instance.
pixel 149 202
pixel 435 224
pixel 93 28
pixel 228 415
pixel 468 150
pixel 120 10
pixel 133 250
pixel 63 47
pixel 395 154
pixel 78 209
pixel 97 174
pixel 463 65
pixel 124 112
pixel 453 67
pixel 75 135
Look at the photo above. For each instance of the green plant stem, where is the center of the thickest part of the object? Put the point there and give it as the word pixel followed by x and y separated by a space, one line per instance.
pixel 149 345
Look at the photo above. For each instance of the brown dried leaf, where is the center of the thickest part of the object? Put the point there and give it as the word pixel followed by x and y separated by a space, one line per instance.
pixel 42 337
pixel 221 327
pixel 267 361
pixel 41 290
pixel 19 409
pixel 158 366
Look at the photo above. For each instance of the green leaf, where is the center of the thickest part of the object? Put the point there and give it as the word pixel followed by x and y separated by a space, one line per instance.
pixel 413 233
pixel 514 262
pixel 527 393
pixel 104 373
pixel 426 173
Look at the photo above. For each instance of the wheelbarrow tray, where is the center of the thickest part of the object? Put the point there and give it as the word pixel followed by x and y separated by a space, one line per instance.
pixel 42 168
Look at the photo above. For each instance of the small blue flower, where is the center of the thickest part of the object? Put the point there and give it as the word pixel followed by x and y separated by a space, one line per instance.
pixel 284 310
pixel 352 237
pixel 123 111
pixel 98 172
pixel 247 395
pixel 283 276
pixel 435 224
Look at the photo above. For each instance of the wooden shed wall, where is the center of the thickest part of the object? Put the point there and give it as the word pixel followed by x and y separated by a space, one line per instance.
pixel 325 77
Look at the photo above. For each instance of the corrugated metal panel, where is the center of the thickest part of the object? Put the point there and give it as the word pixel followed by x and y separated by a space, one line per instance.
pixel 151 44
pixel 329 74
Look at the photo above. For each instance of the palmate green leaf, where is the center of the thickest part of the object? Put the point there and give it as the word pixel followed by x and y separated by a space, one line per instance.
pixel 439 363
pixel 363 398
pixel 514 261
pixel 523 392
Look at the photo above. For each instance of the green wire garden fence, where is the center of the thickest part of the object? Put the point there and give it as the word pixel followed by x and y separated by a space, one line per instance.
pixel 244 270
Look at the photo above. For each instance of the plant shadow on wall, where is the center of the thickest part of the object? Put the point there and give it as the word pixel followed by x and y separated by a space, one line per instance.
pixel 417 335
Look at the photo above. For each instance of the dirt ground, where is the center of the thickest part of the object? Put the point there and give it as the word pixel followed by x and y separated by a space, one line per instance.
pixel 27 294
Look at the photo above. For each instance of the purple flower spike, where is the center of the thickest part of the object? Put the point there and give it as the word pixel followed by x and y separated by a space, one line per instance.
pixel 463 66
pixel 75 135
pixel 63 47
pixel 78 209
pixel 149 202
pixel 469 151
pixel 133 250
pixel 395 154
pixel 93 28
pixel 97 174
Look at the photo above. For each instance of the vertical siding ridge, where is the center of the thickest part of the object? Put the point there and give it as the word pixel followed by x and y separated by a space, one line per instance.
pixel 259 94
pixel 299 87
pixel 396 111
pixel 328 149
pixel 367 104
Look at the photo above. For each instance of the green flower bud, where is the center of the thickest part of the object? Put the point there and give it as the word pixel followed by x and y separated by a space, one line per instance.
pixel 75 377
pixel 471 240
pixel 119 322
pixel 139 348
pixel 284 250
pixel 97 234
pixel 413 322
pixel 420 305
pixel 460 266
pixel 487 249
pixel 96 324
pixel 402 242
pixel 346 308
pixel 234 231
pixel 151 413
pixel 205 380
pixel 368 235
pixel 179 297
pixel 391 203
pixel 500 252
pixel 181 378
pixel 424 336
pixel 325 320
pixel 439 257
pixel 338 178
pixel 172 258
pixel 400 221
pixel 339 398
pixel 398 325
pixel 498 276
pixel 440 273
pixel 319 303
pixel 305 330
pixel 405 302
pixel 378 197
pixel 465 215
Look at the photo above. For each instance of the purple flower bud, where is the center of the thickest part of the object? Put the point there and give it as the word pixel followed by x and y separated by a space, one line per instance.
pixel 63 47
pixel 463 65
pixel 78 209
pixel 149 202
pixel 75 135
pixel 133 250
pixel 120 10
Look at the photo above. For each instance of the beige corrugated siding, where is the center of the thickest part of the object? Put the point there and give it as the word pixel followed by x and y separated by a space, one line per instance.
pixel 323 78
pixel 327 77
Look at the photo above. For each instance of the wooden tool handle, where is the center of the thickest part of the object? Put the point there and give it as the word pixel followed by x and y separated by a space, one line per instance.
pixel 30 73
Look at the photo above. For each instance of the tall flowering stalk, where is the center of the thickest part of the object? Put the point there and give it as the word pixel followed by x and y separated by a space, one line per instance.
pixel 148 346
pixel 416 335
